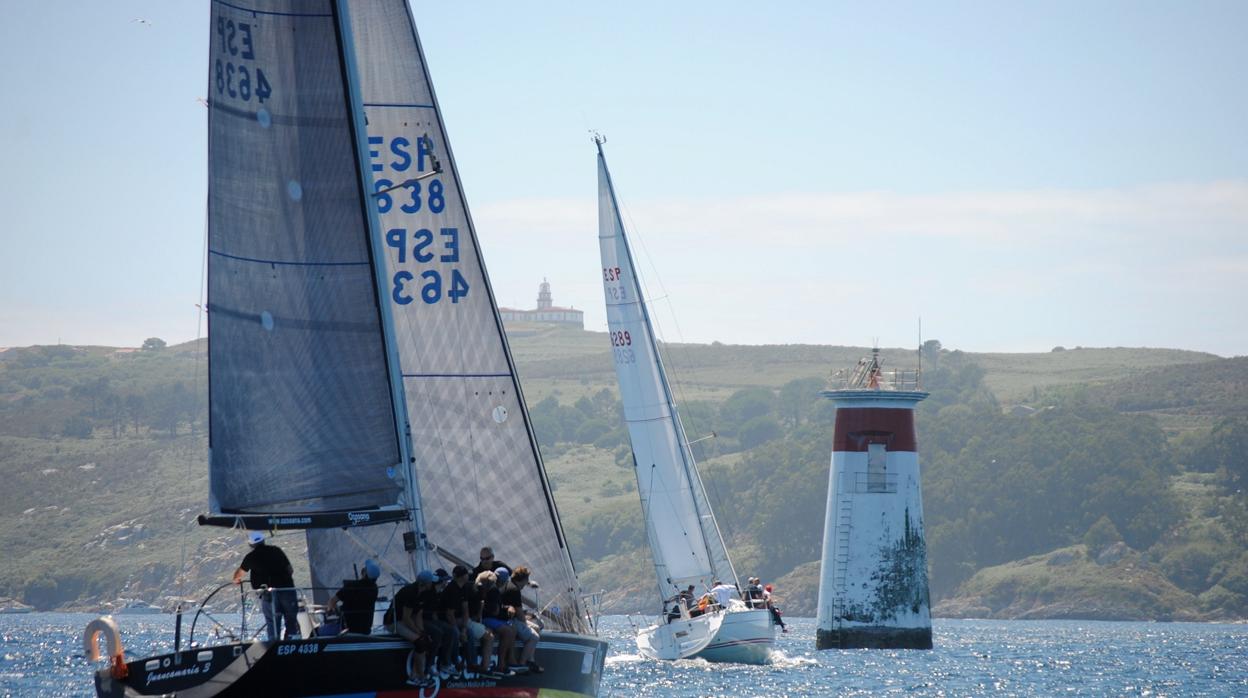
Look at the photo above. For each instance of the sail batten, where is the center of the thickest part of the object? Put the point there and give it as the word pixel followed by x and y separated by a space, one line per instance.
pixel 672 495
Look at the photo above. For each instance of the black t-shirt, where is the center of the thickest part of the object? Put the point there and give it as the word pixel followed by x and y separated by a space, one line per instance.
pixel 511 597
pixel 488 566
pixel 493 605
pixel 357 599
pixel 430 603
pixel 407 597
pixel 267 564
pixel 453 598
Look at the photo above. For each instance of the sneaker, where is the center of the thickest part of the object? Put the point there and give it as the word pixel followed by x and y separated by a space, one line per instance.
pixel 445 673
pixel 535 668
pixel 519 668
pixel 419 682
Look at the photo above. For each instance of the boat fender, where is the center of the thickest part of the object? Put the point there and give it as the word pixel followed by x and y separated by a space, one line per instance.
pixel 106 626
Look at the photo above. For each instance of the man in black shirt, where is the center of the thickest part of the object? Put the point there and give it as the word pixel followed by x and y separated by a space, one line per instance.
pixel 358 598
pixel 409 624
pixel 496 616
pixel 272 574
pixel 488 563
pixel 463 608
pixel 526 632
pixel 442 636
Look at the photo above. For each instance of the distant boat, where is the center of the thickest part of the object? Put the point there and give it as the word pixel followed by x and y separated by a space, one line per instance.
pixel 13 606
pixel 685 541
pixel 361 388
pixel 135 607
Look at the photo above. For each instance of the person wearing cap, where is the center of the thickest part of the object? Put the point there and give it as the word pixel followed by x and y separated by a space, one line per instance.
pixel 271 574
pixel 409 624
pixel 496 616
pixel 442 637
pixel 358 598
pixel 462 605
pixel 526 631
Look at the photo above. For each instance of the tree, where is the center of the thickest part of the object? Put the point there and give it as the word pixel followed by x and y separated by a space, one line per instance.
pixel 759 430
pixel 77 427
pixel 153 344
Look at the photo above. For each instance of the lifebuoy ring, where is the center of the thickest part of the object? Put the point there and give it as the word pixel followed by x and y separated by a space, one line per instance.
pixel 106 626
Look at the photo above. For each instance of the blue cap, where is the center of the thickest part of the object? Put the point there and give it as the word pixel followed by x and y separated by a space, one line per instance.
pixel 371 569
pixel 425 576
pixel 503 574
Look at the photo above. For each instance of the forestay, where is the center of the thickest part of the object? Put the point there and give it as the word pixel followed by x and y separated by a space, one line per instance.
pixel 684 538
pixel 301 414
pixel 481 478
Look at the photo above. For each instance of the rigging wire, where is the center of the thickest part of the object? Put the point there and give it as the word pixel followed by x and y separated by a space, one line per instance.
pixel 200 309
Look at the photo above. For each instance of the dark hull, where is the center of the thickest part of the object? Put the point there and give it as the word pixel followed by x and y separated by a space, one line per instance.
pixel 360 666
pixel 874 638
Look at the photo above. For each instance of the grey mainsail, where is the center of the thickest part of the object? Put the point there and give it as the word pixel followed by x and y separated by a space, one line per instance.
pixel 301 415
pixel 482 481
pixel 684 538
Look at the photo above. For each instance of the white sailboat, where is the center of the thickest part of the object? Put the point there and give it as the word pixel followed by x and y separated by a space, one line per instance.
pixel 361 388
pixel 685 541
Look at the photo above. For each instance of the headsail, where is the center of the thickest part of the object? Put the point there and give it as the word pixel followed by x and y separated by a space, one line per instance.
pixel 684 538
pixel 481 477
pixel 301 412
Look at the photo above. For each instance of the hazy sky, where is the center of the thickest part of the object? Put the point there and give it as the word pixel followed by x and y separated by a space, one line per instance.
pixel 1021 175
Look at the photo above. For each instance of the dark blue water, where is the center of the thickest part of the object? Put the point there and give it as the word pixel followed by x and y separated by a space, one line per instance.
pixel 41 655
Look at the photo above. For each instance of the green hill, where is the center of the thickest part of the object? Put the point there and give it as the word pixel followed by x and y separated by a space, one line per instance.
pixel 104 456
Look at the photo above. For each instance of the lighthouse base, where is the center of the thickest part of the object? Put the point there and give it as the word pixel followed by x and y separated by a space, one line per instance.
pixel 879 638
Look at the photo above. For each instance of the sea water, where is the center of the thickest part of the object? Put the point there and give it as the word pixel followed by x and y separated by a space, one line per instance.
pixel 41 655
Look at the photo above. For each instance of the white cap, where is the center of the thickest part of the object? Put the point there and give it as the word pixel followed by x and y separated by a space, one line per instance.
pixel 255 538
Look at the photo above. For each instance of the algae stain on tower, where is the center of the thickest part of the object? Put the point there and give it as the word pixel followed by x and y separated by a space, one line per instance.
pixel 873 587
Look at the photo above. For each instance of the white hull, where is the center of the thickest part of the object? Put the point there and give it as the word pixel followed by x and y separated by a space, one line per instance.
pixel 738 636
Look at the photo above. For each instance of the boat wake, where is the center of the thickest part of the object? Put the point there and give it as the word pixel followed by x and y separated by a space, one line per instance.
pixel 781 660
pixel 624 659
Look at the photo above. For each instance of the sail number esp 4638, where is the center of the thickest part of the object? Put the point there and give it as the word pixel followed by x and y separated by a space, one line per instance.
pixel 401 158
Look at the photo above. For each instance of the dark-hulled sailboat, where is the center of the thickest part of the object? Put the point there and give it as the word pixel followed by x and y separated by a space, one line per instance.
pixel 360 383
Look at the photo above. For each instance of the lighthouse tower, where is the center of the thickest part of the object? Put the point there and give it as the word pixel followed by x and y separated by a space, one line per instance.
pixel 873 588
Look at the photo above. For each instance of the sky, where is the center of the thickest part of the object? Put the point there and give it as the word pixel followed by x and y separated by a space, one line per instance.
pixel 1018 175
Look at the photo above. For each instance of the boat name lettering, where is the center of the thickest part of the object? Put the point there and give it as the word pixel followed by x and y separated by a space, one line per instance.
pixel 356 517
pixel 311 648
pixel 177 673
pixel 234 76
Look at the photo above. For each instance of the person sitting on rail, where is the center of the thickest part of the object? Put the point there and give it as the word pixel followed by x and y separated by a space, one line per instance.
pixel 526 629
pixel 409 624
pixel 463 607
pixel 494 615
pixel 442 636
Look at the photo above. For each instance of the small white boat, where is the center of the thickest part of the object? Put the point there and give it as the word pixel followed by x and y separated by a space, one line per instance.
pixel 134 607
pixel 685 541
pixel 737 634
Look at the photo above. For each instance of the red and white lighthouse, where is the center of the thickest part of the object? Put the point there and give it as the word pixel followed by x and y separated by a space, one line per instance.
pixel 873 589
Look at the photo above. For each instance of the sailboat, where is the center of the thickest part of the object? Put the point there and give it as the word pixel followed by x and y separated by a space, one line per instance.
pixel 361 387
pixel 685 540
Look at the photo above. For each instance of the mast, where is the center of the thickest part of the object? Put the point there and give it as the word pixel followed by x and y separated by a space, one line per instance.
pixel 712 543
pixel 411 486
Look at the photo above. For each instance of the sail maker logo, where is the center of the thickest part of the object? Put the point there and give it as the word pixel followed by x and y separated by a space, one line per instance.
pixel 356 517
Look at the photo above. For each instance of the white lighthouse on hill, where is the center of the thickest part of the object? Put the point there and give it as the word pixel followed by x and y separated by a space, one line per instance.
pixel 873 589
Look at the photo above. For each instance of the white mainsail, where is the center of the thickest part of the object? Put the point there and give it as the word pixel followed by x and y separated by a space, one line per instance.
pixel 684 538
pixel 482 481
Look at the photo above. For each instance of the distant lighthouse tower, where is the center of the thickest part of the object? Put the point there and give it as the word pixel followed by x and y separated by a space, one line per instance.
pixel 873 588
